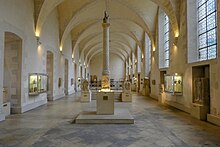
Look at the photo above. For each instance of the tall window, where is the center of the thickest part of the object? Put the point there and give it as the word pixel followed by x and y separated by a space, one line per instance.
pixel 166 41
pixel 147 56
pixel 207 29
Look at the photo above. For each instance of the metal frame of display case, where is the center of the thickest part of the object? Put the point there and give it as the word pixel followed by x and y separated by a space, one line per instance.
pixel 37 89
pixel 169 86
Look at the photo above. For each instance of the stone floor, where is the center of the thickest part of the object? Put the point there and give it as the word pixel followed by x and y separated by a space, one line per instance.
pixel 155 126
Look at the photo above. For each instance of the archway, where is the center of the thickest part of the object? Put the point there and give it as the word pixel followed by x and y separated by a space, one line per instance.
pixel 12 73
pixel 49 68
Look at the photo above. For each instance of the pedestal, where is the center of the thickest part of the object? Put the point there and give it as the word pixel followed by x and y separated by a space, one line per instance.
pixel 126 97
pixel 85 96
pixel 105 103
pixel 199 111
pixel 6 107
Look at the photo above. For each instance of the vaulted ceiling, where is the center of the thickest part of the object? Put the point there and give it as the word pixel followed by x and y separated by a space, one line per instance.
pixel 129 19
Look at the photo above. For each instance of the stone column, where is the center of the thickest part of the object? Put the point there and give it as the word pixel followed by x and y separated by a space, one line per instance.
pixel 106 71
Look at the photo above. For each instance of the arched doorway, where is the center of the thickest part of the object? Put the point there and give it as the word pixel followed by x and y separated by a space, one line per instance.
pixel 50 59
pixel 12 73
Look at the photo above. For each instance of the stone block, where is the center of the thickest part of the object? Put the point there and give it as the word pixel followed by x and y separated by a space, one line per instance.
pixel 126 97
pixel 85 96
pixel 105 103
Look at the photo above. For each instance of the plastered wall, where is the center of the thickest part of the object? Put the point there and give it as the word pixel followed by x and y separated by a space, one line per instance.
pixel 117 67
pixel 17 17
pixel 179 64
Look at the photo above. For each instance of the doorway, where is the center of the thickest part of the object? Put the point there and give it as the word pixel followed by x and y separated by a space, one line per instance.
pixel 12 73
pixel 66 77
pixel 50 75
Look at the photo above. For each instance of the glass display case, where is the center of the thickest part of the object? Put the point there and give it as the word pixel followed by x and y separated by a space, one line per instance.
pixel 37 83
pixel 173 84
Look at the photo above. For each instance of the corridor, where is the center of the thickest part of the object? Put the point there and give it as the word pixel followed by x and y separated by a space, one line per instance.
pixel 155 125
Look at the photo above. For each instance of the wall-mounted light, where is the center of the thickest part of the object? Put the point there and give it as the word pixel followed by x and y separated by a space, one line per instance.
pixel 38 40
pixel 61 49
pixel 175 40
pixel 177 34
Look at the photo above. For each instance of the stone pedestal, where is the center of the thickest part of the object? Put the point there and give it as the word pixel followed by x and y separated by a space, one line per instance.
pixel 6 107
pixel 213 119
pixel 85 96
pixel 105 103
pixel 199 111
pixel 126 97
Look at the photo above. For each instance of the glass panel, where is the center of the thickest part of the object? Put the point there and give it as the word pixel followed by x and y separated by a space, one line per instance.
pixel 211 7
pixel 202 12
pixel 203 54
pixel 33 84
pixel 211 21
pixel 202 26
pixel 201 2
pixel 202 41
pixel 166 41
pixel 212 52
pixel 207 24
pixel 168 83
pixel 178 84
pixel 211 37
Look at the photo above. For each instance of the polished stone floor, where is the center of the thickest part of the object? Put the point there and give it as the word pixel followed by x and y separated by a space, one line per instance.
pixel 155 126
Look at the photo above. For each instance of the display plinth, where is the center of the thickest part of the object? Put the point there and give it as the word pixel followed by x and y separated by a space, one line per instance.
pixel 126 97
pixel 105 103
pixel 121 116
pixel 199 111
pixel 6 108
pixel 85 96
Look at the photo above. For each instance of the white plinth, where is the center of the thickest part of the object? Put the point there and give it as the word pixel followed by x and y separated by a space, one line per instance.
pixel 85 96
pixel 126 97
pixel 121 116
pixel 105 103
pixel 199 111
pixel 6 107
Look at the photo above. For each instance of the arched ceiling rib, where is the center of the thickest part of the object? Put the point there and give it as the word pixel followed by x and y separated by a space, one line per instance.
pixel 140 6
pixel 113 45
pixel 129 20
pixel 100 51
pixel 135 30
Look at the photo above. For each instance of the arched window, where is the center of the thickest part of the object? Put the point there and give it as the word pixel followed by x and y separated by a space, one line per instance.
pixel 147 55
pixel 166 41
pixel 207 29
